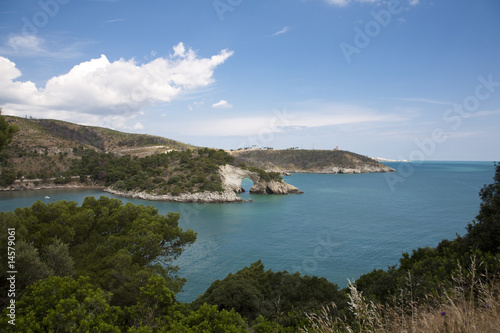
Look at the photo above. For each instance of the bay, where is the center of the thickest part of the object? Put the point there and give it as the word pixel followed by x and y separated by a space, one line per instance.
pixel 341 227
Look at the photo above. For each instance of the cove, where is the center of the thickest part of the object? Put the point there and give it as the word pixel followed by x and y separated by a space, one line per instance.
pixel 344 225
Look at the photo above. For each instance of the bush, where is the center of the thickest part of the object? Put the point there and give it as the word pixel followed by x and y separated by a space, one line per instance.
pixel 7 177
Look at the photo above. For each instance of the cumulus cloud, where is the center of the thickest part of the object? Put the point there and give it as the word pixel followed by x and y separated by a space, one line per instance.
pixel 222 104
pixel 99 89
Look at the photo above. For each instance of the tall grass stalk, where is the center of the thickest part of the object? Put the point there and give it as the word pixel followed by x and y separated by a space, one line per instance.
pixel 470 305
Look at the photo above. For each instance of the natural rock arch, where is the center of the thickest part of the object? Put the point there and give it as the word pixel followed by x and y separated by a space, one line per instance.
pixel 247 184
pixel 232 176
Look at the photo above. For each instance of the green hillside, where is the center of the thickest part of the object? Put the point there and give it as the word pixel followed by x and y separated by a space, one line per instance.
pixel 57 153
pixel 315 161
pixel 46 133
pixel 45 148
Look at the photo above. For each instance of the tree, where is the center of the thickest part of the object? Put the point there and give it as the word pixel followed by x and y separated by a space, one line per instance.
pixel 6 131
pixel 60 304
pixel 208 319
pixel 118 246
pixel 484 233
pixel 278 296
pixel 154 303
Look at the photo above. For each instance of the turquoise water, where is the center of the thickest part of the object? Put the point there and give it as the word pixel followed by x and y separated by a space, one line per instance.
pixel 341 227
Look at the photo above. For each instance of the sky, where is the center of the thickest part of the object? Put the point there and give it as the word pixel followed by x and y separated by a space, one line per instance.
pixel 399 79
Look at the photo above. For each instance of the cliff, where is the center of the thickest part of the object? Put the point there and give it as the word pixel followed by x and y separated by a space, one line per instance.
pixel 232 176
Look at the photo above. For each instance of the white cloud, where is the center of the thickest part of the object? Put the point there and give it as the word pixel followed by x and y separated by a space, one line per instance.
pixel 195 105
pixel 461 135
pixel 99 89
pixel 282 31
pixel 482 114
pixel 116 20
pixel 30 44
pixel 424 100
pixel 320 116
pixel 222 104
pixel 343 3
pixel 35 46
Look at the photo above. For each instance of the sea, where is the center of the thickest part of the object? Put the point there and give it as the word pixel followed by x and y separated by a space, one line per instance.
pixel 343 226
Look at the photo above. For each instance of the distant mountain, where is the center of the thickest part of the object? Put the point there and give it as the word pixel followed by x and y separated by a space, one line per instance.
pixel 308 161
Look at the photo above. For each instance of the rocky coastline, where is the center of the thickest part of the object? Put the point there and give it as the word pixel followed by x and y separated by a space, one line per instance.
pixel 199 197
pixel 38 184
pixel 231 177
pixel 338 170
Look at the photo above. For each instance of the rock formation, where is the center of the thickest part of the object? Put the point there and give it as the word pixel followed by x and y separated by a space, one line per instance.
pixel 201 197
pixel 232 176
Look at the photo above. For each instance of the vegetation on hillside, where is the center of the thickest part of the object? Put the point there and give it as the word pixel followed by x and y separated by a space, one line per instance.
pixel 303 160
pixel 61 152
pixel 175 172
pixel 46 133
pixel 6 131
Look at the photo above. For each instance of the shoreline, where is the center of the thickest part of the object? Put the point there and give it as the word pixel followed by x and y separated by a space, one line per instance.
pixel 227 196
pixel 198 197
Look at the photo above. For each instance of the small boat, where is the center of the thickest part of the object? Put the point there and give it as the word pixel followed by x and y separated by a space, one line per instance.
pixel 47 197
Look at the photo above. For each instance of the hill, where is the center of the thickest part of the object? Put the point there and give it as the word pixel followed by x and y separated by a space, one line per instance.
pixel 48 133
pixel 44 148
pixel 56 154
pixel 309 161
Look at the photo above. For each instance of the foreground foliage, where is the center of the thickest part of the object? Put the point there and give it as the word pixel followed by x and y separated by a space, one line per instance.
pixel 280 297
pixel 118 246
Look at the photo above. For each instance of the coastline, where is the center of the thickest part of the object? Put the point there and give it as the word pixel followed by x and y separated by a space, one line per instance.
pixel 200 197
pixel 38 184
pixel 227 196
pixel 337 170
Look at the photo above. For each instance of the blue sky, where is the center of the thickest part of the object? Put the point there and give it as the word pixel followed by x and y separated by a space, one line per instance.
pixel 407 79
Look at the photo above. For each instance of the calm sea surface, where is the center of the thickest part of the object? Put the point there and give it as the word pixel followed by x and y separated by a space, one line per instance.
pixel 341 227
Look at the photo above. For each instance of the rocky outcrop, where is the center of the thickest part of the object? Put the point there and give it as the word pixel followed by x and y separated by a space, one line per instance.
pixel 274 187
pixel 358 169
pixel 201 197
pixel 335 170
pixel 47 184
pixel 232 176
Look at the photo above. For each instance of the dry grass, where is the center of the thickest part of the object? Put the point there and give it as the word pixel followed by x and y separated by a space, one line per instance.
pixel 472 305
